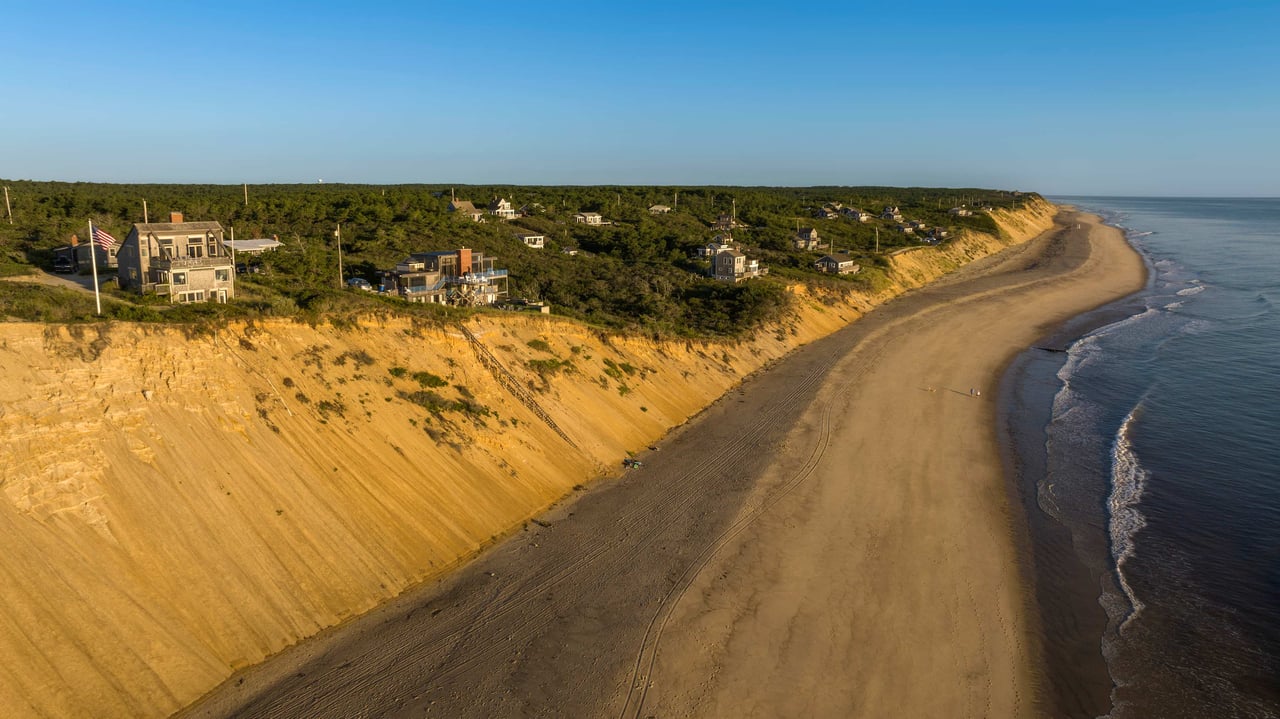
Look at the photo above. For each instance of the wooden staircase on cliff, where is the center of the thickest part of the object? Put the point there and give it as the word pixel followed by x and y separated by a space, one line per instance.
pixel 512 385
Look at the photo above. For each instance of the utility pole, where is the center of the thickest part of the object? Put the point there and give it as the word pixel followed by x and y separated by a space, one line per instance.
pixel 338 234
pixel 677 200
pixel 877 240
pixel 6 204
pixel 145 219
pixel 246 194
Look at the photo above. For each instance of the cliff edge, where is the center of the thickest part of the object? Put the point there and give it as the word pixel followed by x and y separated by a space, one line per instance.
pixel 177 506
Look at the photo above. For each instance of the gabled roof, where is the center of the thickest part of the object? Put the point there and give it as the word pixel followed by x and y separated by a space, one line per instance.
pixel 176 226
pixel 461 206
pixel 833 259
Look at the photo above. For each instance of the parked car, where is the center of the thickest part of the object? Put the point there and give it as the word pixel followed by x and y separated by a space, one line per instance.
pixel 63 265
pixel 359 283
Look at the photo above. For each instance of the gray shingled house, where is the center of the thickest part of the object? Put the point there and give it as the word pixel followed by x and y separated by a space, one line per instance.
pixel 185 261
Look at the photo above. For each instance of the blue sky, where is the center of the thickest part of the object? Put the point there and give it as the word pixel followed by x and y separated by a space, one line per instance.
pixel 1080 98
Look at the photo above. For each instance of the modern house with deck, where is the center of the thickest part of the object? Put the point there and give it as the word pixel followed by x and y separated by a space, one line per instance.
pixel 185 261
pixel 452 277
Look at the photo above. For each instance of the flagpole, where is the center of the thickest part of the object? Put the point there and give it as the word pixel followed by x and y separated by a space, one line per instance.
pixel 233 261
pixel 93 260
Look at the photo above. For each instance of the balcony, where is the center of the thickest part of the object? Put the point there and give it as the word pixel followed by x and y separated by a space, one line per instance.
pixel 189 263
pixel 478 278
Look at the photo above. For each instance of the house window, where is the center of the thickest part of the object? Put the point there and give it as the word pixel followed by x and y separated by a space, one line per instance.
pixel 195 251
pixel 222 275
pixel 179 278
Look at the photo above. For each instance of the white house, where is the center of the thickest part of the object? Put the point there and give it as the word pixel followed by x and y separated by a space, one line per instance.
pixel 532 239
pixel 502 208
pixel 588 218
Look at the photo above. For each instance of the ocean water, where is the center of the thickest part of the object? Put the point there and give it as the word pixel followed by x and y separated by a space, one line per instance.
pixel 1161 458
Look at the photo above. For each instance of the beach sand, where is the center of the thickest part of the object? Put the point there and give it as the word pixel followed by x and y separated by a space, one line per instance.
pixel 834 538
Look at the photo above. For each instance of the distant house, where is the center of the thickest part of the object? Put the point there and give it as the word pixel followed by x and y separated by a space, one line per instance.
pixel 453 277
pixel 502 208
pixel 659 209
pixel 840 264
pixel 719 242
pixel 185 261
pixel 571 251
pixel 960 211
pixel 825 213
pixel 78 254
pixel 891 213
pixel 731 265
pixel 532 239
pixel 251 247
pixel 728 222
pixel 588 218
pixel 856 214
pixel 905 229
pixel 466 209
pixel 917 225
pixel 533 208
pixel 807 239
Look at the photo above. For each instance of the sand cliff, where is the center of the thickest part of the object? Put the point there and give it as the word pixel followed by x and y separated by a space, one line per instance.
pixel 176 507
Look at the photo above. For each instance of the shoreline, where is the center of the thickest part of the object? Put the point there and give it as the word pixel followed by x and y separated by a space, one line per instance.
pixel 724 628
pixel 1064 586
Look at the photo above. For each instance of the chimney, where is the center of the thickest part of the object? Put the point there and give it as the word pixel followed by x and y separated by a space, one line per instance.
pixel 464 261
pixel 74 240
pixel 175 217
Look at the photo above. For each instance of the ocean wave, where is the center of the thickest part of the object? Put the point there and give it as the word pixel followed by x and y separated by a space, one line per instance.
pixel 1128 483
pixel 1140 234
pixel 1125 323
pixel 1189 291
pixel 1173 305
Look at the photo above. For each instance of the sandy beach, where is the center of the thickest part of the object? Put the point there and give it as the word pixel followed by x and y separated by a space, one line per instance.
pixel 834 538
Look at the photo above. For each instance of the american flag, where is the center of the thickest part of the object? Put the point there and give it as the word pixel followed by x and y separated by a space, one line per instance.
pixel 104 240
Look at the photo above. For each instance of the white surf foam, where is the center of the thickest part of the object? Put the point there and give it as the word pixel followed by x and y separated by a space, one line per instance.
pixel 1128 483
pixel 1190 291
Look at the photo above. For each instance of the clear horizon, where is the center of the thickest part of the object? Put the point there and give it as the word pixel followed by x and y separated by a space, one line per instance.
pixel 1169 100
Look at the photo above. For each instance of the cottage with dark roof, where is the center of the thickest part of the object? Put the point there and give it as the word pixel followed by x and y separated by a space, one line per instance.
pixel 840 264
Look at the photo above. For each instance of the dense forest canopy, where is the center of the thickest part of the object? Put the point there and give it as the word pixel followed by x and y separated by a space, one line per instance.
pixel 637 273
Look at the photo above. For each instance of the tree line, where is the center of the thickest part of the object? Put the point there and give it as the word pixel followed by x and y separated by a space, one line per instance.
pixel 637 273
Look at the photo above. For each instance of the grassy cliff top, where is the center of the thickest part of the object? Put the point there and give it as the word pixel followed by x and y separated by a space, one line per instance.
pixel 638 273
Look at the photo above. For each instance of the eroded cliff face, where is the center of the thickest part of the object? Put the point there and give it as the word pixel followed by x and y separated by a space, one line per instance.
pixel 177 507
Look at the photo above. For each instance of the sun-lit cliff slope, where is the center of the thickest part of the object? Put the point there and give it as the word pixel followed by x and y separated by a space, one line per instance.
pixel 175 506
